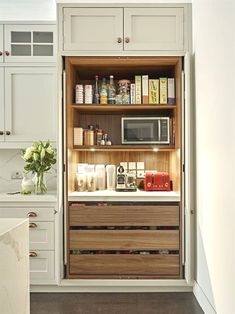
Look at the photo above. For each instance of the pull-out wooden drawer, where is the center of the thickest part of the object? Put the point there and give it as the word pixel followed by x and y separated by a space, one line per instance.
pixel 123 215
pixel 117 265
pixel 124 239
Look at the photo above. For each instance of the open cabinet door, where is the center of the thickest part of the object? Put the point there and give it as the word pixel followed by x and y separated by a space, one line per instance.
pixel 188 175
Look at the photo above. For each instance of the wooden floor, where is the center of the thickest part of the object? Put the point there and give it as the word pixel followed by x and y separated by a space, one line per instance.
pixel 114 303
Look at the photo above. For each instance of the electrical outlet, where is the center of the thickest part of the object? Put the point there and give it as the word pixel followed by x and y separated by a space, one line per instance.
pixel 16 175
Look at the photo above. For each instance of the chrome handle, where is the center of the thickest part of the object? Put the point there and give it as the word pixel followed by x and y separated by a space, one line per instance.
pixel 127 40
pixel 1 133
pixel 32 225
pixel 32 214
pixel 33 254
pixel 8 133
pixel 119 40
pixel 7 53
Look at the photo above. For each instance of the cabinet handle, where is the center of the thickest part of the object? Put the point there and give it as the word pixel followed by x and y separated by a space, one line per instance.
pixel 32 214
pixel 33 254
pixel 0 53
pixel 1 133
pixel 7 53
pixel 32 225
pixel 127 40
pixel 119 40
pixel 8 133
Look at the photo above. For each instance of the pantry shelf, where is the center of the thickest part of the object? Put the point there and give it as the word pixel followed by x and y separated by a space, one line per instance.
pixel 118 108
pixel 124 148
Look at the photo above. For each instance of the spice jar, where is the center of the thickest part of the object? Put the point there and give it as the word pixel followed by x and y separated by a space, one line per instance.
pixel 89 136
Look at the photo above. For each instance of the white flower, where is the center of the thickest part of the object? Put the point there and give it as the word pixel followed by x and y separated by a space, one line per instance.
pixel 28 153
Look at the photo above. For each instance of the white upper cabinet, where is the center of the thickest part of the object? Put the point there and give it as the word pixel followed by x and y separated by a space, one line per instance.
pixel 1 43
pixel 30 111
pixel 93 29
pixel 29 43
pixel 154 29
pixel 2 129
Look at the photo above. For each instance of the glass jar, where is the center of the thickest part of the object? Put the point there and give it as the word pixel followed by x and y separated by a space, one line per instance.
pixel 123 96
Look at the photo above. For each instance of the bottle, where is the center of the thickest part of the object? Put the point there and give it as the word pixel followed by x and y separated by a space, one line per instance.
pixel 111 91
pixel 104 92
pixel 96 91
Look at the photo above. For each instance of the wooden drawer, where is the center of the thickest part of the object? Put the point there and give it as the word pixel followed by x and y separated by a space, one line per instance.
pixel 125 264
pixel 41 235
pixel 124 239
pixel 42 269
pixel 123 215
pixel 34 214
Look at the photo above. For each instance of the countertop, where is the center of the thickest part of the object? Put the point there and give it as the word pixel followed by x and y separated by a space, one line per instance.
pixel 50 197
pixel 138 196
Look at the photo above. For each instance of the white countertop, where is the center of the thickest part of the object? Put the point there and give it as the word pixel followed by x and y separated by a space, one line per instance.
pixel 7 224
pixel 138 196
pixel 47 198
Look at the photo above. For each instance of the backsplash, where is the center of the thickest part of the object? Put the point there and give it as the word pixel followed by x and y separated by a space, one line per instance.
pixel 11 161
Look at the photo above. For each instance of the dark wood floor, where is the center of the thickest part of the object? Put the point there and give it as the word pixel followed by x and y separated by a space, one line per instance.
pixel 114 303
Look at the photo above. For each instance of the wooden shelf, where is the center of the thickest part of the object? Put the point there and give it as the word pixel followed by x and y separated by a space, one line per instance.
pixel 143 148
pixel 128 107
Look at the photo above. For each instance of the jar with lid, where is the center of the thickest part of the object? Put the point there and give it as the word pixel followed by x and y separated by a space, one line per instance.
pixel 89 136
pixel 123 96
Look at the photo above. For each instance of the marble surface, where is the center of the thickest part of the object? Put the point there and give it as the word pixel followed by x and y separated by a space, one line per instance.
pixel 14 266
pixel 138 196
pixel 11 160
pixel 47 198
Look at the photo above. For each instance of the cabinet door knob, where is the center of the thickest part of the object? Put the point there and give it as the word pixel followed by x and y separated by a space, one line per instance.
pixel 32 214
pixel 8 133
pixel 33 254
pixel 0 53
pixel 127 40
pixel 32 225
pixel 1 133
pixel 7 53
pixel 119 40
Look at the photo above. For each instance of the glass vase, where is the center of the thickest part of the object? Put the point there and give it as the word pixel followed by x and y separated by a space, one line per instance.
pixel 40 183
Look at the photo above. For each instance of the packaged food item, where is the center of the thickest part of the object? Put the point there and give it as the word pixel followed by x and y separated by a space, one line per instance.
pixel 138 99
pixel 79 94
pixel 132 93
pixel 171 91
pixel 91 181
pixel 163 90
pixel 153 91
pixel 89 136
pixel 111 177
pixel 81 182
pixel 78 136
pixel 88 94
pixel 100 177
pixel 145 89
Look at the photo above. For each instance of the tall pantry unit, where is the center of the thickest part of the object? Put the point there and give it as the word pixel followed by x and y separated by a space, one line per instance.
pixel 100 235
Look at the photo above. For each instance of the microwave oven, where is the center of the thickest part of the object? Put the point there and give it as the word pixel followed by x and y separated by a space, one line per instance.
pixel 145 130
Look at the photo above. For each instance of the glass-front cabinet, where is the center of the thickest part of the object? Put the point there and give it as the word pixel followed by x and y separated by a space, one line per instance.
pixel 30 43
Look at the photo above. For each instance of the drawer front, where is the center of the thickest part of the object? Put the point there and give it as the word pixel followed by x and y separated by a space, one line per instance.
pixel 42 267
pixel 34 214
pixel 41 235
pixel 124 239
pixel 123 215
pixel 124 264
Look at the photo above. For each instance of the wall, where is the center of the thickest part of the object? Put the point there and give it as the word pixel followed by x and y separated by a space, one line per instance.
pixel 214 42
pixel 10 161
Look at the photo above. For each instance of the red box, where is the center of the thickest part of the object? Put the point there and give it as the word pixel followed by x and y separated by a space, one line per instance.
pixel 157 181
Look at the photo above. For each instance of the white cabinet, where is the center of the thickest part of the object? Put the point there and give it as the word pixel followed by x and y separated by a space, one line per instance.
pixel 153 29
pixel 2 127
pixel 29 43
pixel 93 29
pixel 30 111
pixel 41 265
pixel 41 235
pixel 1 43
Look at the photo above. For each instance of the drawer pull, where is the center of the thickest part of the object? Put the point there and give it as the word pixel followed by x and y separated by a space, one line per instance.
pixel 32 225
pixel 127 40
pixel 33 254
pixel 32 214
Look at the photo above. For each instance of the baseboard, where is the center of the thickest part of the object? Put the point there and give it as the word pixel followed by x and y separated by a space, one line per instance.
pixel 203 300
pixel 115 286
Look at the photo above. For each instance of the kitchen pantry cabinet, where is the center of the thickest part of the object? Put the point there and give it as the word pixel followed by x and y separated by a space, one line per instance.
pixel 29 43
pixel 2 127
pixel 129 29
pixel 29 104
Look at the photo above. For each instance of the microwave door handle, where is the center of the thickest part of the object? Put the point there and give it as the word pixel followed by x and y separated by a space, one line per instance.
pixel 159 130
